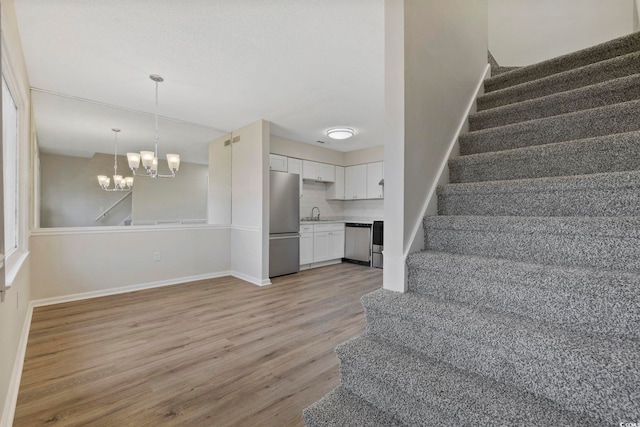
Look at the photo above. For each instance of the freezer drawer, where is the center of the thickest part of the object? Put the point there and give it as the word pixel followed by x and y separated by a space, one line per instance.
pixel 284 254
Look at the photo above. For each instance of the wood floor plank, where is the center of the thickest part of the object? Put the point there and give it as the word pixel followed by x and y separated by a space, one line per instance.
pixel 217 352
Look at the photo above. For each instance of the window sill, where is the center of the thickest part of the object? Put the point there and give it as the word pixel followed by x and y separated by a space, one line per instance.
pixel 13 265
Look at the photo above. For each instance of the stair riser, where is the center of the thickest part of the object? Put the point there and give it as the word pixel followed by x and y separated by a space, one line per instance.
pixel 592 74
pixel 341 407
pixel 577 250
pixel 618 47
pixel 584 202
pixel 606 154
pixel 393 401
pixel 580 300
pixel 608 93
pixel 619 118
pixel 582 387
pixel 438 391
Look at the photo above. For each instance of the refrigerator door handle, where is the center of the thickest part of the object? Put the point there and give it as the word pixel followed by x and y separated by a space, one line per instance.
pixel 284 236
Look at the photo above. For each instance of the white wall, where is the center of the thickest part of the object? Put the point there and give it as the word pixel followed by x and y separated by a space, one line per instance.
pixel 435 53
pixel 13 313
pixel 300 150
pixel 70 195
pixel 172 199
pixel 14 310
pixel 523 32
pixel 367 155
pixel 219 200
pixel 636 15
pixel 250 203
pixel 76 261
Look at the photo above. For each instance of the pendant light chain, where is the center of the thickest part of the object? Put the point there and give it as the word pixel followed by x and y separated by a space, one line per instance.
pixel 156 136
pixel 115 153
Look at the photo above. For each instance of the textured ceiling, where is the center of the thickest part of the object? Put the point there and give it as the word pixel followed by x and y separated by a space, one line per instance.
pixel 304 65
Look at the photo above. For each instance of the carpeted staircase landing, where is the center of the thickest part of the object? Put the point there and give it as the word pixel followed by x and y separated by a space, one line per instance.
pixel 524 307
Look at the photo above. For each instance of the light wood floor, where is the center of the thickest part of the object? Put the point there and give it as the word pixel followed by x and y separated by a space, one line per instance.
pixel 218 352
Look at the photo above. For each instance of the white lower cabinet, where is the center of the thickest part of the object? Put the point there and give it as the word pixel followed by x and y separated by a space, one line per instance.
pixel 306 248
pixel 336 244
pixel 320 246
pixel 324 243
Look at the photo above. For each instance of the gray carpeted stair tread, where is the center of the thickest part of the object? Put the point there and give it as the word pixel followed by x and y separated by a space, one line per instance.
pixel 582 299
pixel 591 74
pixel 427 389
pixel 618 118
pixel 610 49
pixel 610 153
pixel 605 194
pixel 582 373
pixel 610 92
pixel 609 243
pixel 342 408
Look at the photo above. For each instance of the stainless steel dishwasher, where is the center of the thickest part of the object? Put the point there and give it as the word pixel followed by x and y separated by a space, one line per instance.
pixel 357 243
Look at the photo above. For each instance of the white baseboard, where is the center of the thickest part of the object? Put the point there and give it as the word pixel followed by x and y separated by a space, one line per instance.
pixel 319 264
pixel 250 279
pixel 125 289
pixel 9 408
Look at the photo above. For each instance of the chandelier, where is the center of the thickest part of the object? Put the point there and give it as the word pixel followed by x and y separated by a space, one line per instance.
pixel 150 158
pixel 119 182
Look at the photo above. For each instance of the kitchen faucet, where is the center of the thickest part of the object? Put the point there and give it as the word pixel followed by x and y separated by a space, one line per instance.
pixel 314 208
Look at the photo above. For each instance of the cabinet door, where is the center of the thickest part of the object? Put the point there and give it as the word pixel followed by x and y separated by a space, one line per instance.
pixel 374 176
pixel 309 170
pixel 277 163
pixel 295 166
pixel 306 248
pixel 321 246
pixel 335 190
pixel 326 172
pixel 336 244
pixel 355 182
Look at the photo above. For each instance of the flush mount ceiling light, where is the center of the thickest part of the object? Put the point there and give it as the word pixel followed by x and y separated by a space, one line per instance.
pixel 340 133
pixel 150 158
pixel 120 183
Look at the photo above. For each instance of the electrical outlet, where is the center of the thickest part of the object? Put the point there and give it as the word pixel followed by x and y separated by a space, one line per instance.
pixel 156 256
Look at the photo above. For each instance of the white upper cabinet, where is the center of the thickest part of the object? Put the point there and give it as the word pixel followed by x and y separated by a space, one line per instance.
pixel 355 182
pixel 375 173
pixel 335 190
pixel 277 163
pixel 315 171
pixel 295 166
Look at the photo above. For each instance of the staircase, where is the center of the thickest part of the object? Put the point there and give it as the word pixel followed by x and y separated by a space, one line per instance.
pixel 524 307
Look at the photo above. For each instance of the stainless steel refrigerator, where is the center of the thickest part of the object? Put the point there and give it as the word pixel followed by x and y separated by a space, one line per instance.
pixel 284 223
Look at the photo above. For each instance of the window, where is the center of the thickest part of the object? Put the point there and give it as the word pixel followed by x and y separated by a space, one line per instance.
pixel 10 169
